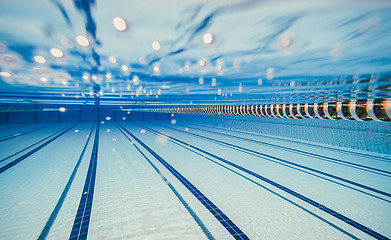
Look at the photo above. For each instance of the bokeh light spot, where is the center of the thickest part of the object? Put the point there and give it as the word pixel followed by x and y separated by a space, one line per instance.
pixel 56 52
pixel 119 24
pixel 124 68
pixel 208 38
pixel 285 42
pixel 39 59
pixel 82 41
pixel 5 74
pixel 112 59
pixel 156 45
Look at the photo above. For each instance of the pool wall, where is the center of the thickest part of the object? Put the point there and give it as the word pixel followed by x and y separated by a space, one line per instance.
pixel 369 136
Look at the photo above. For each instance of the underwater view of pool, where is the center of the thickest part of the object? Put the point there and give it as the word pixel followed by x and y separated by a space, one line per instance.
pixel 237 119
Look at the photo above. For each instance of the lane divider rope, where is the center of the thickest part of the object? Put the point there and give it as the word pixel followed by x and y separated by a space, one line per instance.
pixel 360 110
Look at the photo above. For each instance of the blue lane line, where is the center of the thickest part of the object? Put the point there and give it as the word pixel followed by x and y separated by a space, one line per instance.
pixel 216 212
pixel 379 158
pixel 21 134
pixel 32 145
pixel 82 218
pixel 46 229
pixel 318 156
pixel 184 203
pixel 289 162
pixel 264 187
pixel 321 207
pixel 18 160
pixel 312 174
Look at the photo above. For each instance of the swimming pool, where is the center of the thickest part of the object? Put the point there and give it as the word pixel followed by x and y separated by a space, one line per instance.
pixel 195 120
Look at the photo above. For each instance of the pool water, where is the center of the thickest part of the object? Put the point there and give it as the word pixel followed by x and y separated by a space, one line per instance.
pixel 195 120
pixel 147 178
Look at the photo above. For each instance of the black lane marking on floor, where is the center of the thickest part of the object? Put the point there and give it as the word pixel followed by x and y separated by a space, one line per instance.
pixel 23 133
pixel 32 145
pixel 306 172
pixel 213 209
pixel 184 203
pixel 46 229
pixel 289 162
pixel 379 158
pixel 82 218
pixel 19 159
pixel 262 186
pixel 318 156
pixel 321 207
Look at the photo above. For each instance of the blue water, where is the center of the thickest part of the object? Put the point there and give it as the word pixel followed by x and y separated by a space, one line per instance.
pixel 261 51
pixel 72 170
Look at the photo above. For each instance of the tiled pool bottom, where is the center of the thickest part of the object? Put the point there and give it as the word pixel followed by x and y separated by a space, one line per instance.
pixel 156 180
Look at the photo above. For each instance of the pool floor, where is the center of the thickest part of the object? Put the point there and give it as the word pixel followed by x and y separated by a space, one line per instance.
pixel 158 180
